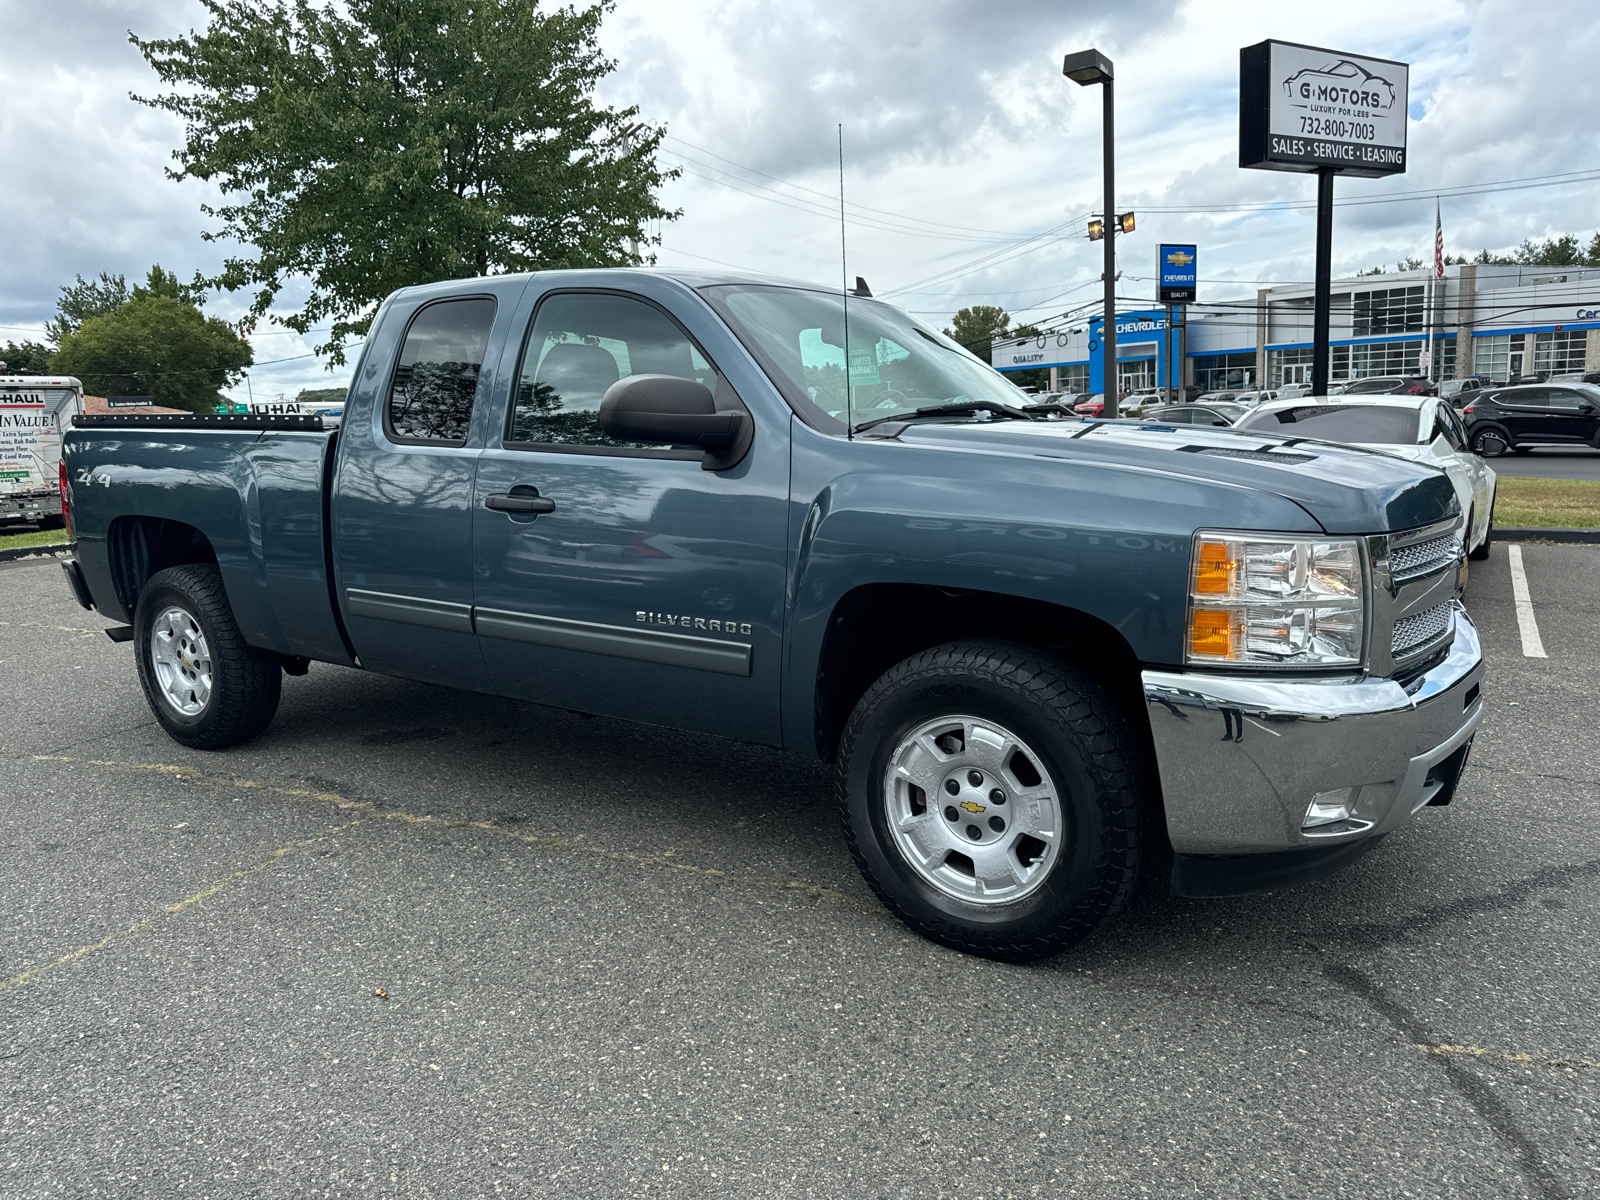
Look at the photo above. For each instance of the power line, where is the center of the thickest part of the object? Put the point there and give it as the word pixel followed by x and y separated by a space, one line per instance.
pixel 829 198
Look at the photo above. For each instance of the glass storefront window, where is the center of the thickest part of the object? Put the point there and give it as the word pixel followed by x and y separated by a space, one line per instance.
pixel 1560 351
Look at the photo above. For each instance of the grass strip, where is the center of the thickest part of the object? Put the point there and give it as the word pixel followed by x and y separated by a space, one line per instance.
pixel 39 537
pixel 1548 503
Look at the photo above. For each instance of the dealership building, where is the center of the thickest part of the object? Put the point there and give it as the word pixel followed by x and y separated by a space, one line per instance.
pixel 1496 322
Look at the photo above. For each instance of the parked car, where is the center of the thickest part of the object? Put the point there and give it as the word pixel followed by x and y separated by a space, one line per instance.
pixel 1293 391
pixel 1519 418
pixel 1222 415
pixel 1390 385
pixel 1459 391
pixel 1033 649
pixel 1254 398
pixel 1215 398
pixel 1577 377
pixel 1094 406
pixel 1424 429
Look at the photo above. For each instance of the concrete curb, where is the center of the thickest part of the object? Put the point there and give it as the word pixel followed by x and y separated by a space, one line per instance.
pixel 13 553
pixel 1507 533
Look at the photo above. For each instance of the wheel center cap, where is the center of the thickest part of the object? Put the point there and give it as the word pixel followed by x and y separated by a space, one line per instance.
pixel 968 806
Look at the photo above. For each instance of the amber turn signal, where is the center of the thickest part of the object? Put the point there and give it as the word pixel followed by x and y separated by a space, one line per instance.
pixel 1211 632
pixel 1214 570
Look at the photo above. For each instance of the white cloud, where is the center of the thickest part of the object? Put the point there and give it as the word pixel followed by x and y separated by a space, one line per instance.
pixel 953 113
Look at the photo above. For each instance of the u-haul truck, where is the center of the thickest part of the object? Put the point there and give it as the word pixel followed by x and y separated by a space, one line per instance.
pixel 35 410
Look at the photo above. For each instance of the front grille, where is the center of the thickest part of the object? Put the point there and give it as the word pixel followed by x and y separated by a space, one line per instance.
pixel 1420 629
pixel 1424 558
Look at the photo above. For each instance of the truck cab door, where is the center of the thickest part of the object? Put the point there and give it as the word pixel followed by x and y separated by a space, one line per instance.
pixel 625 579
pixel 402 504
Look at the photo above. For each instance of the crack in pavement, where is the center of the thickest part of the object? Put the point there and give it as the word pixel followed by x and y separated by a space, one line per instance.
pixel 1493 1111
pixel 1373 936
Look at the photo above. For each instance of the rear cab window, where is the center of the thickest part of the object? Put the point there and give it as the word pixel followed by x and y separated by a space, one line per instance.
pixel 436 374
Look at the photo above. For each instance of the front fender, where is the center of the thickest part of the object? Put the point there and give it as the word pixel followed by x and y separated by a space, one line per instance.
pixel 1109 541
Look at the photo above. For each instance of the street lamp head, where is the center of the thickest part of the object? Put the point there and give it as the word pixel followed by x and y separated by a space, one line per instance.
pixel 1086 67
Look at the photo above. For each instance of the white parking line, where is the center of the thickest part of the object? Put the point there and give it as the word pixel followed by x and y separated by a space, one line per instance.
pixel 1532 646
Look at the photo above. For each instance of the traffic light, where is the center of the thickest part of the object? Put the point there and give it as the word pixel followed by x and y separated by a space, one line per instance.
pixel 1097 230
pixel 1125 221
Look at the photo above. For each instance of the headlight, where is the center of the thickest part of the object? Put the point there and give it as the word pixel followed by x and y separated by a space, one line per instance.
pixel 1265 600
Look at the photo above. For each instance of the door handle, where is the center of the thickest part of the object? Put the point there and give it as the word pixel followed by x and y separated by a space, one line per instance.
pixel 513 503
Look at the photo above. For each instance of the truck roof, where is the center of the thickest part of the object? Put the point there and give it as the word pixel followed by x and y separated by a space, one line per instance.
pixel 39 381
pixel 691 277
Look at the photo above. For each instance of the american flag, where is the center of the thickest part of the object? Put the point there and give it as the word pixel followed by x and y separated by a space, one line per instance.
pixel 1438 243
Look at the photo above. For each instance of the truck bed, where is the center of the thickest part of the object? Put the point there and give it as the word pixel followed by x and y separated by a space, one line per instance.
pixel 248 491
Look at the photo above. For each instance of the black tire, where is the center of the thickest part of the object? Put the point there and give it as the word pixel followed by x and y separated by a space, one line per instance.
pixel 245 682
pixel 1481 551
pixel 1522 449
pixel 1085 746
pixel 1490 442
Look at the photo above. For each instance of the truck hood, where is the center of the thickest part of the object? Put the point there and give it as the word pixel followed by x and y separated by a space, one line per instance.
pixel 1346 489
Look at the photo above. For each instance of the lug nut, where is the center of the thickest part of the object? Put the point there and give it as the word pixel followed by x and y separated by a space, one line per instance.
pixel 996 824
pixel 951 786
pixel 974 832
pixel 975 778
pixel 950 814
pixel 997 797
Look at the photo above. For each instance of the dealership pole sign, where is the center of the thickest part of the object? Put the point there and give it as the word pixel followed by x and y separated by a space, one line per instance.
pixel 1177 272
pixel 1305 108
pixel 1302 108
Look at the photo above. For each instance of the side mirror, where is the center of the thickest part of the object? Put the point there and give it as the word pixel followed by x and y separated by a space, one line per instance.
pixel 673 411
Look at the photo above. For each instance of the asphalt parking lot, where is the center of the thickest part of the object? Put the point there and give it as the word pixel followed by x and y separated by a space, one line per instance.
pixel 620 961
pixel 1551 462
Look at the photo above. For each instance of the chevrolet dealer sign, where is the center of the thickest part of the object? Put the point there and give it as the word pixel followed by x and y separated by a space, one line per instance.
pixel 1302 108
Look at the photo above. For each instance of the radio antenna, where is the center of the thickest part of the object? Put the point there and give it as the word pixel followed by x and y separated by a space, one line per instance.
pixel 844 290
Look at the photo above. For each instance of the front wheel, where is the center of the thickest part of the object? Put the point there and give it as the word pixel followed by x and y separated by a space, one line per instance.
pixel 1490 443
pixel 1481 551
pixel 992 796
pixel 204 684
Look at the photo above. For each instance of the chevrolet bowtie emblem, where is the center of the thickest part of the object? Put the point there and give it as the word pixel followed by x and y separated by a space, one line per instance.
pixel 1179 259
pixel 973 808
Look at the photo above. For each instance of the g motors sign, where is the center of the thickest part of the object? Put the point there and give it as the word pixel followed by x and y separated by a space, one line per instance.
pixel 1302 108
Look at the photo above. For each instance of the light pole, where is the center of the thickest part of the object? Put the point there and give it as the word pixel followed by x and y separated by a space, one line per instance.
pixel 1086 67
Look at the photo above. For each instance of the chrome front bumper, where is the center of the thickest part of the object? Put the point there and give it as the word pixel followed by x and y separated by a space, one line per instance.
pixel 1242 756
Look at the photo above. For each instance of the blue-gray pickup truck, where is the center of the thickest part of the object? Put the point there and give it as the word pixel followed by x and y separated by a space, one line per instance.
pixel 1044 653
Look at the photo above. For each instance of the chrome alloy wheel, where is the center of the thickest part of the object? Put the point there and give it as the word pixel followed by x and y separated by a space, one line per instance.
pixel 972 810
pixel 181 660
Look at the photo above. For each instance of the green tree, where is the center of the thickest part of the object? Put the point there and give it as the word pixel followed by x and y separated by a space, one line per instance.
pixel 25 358
pixel 977 327
pixel 321 395
pixel 373 145
pixel 156 346
pixel 82 300
pixel 165 283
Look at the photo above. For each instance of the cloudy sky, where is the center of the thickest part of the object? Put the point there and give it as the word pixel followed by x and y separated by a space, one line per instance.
pixel 970 162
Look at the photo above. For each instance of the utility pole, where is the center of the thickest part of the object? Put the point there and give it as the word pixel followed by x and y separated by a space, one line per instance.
pixel 1084 68
pixel 629 132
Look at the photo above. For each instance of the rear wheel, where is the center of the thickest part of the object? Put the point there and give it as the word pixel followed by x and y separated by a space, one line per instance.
pixel 204 684
pixel 991 795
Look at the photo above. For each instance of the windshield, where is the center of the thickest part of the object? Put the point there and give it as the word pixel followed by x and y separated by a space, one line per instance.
pixel 1373 424
pixel 897 365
